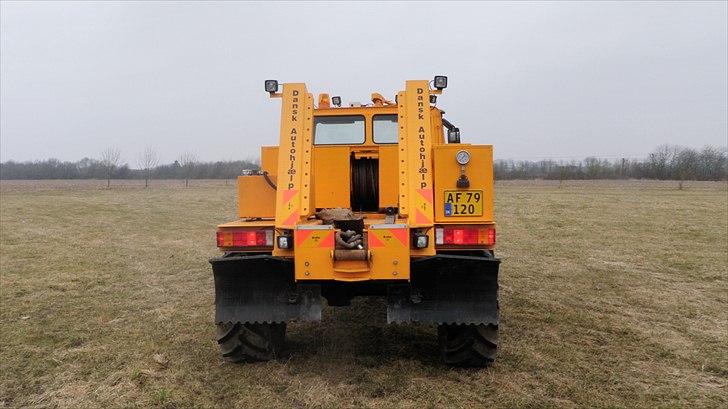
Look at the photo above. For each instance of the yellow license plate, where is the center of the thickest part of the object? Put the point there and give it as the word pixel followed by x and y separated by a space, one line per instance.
pixel 463 203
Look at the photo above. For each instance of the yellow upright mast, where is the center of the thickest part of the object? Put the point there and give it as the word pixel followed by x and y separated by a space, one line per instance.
pixel 415 154
pixel 293 196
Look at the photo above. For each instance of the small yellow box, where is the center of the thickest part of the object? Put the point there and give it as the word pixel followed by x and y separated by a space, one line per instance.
pixel 479 194
pixel 256 198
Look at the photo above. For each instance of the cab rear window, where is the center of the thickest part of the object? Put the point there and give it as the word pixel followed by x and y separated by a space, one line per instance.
pixel 338 130
pixel 385 128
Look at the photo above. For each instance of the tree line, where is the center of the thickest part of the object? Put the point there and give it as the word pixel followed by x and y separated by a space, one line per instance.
pixel 666 162
pixel 108 167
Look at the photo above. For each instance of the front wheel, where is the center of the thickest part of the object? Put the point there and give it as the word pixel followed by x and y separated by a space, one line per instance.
pixel 468 345
pixel 250 342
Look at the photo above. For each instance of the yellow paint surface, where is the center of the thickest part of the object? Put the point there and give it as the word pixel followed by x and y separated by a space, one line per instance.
pixel 255 197
pixel 332 176
pixel 479 171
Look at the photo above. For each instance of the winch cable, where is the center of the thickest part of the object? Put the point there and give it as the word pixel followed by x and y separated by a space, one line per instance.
pixel 365 184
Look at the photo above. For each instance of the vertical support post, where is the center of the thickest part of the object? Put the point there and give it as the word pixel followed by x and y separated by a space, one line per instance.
pixel 293 196
pixel 415 154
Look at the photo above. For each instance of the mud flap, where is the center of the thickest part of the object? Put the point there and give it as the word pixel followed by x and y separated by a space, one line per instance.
pixel 262 289
pixel 447 289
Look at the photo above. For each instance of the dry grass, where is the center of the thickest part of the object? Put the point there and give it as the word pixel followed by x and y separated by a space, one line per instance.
pixel 613 295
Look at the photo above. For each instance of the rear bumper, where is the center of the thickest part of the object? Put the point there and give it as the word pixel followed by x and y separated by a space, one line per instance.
pixel 442 289
pixel 448 289
pixel 261 288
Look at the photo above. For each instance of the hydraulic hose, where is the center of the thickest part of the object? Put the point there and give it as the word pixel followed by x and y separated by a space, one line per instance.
pixel 269 181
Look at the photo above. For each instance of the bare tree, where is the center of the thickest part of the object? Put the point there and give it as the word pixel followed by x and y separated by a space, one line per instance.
pixel 110 159
pixel 687 162
pixel 187 162
pixel 713 163
pixel 661 159
pixel 147 161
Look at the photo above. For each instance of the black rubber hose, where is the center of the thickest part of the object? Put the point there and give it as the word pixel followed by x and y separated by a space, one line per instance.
pixel 270 182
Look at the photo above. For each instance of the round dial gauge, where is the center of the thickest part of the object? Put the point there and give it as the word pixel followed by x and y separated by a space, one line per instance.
pixel 463 157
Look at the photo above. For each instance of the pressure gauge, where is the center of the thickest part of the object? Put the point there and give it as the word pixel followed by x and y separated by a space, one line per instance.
pixel 463 157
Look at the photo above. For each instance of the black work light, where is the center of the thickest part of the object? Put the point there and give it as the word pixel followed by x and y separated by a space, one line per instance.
pixel 285 242
pixel 440 81
pixel 271 86
pixel 453 135
pixel 336 101
pixel 420 240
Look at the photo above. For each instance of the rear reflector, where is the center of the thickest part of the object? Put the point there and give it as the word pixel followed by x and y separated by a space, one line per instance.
pixel 464 236
pixel 245 238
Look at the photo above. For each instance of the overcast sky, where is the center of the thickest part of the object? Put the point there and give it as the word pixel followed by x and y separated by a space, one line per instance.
pixel 537 80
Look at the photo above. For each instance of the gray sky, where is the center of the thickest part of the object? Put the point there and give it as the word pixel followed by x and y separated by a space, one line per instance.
pixel 536 80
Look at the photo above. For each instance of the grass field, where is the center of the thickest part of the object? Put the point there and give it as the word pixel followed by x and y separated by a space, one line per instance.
pixel 613 294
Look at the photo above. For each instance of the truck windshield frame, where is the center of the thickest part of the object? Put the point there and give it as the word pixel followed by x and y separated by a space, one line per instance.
pixel 339 130
pixel 385 128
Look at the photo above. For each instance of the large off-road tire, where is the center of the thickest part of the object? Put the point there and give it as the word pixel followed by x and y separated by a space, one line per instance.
pixel 251 342
pixel 468 345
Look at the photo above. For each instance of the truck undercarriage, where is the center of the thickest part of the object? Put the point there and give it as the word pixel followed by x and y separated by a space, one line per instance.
pixel 459 293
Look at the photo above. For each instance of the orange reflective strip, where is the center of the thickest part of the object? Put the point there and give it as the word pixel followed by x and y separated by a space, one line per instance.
pixel 292 219
pixel 420 218
pixel 401 235
pixel 288 194
pixel 426 194
pixel 374 241
pixel 328 240
pixel 301 236
pixel 388 238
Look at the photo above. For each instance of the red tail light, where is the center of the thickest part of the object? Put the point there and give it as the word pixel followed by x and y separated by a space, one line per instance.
pixel 491 237
pixel 464 236
pixel 245 238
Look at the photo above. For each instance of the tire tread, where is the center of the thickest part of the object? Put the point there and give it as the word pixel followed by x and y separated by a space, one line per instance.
pixel 250 342
pixel 468 345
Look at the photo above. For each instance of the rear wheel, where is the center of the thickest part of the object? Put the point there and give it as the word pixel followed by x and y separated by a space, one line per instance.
pixel 468 345
pixel 250 342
